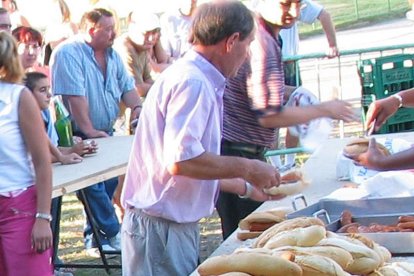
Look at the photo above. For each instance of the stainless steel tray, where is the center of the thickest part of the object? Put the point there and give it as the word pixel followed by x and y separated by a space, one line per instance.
pixel 395 242
pixel 360 207
pixel 366 211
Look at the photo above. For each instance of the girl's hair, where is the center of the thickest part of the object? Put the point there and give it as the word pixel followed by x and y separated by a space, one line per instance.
pixel 11 69
pixel 27 34
pixel 64 9
pixel 31 79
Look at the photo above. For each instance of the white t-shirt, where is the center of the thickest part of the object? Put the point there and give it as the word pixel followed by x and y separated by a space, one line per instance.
pixel 16 169
pixel 309 13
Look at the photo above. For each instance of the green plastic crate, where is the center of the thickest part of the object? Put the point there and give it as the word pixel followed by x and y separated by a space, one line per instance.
pixel 382 77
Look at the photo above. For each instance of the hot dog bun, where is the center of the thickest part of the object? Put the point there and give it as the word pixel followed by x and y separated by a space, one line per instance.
pixel 284 226
pixel 250 263
pixel 360 145
pixel 265 217
pixel 292 183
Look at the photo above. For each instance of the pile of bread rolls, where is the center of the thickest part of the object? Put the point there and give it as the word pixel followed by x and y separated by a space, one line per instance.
pixel 302 246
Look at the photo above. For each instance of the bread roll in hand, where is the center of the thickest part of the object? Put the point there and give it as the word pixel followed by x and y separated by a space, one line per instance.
pixel 292 183
pixel 360 145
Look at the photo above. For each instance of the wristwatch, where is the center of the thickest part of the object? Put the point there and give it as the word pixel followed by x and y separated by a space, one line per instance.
pixel 47 217
pixel 249 190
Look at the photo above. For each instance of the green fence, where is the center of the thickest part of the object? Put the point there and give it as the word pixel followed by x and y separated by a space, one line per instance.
pixel 340 77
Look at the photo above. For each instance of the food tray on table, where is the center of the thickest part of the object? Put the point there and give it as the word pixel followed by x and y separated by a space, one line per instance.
pixel 384 211
pixel 395 242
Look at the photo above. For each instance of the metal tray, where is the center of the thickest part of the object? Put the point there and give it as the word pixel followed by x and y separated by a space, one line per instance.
pixel 366 211
pixel 360 207
pixel 395 242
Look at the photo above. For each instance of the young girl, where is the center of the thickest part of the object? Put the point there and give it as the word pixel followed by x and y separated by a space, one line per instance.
pixel 25 174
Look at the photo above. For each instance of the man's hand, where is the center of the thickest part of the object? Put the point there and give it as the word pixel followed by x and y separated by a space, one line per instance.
pixel 379 111
pixel 262 175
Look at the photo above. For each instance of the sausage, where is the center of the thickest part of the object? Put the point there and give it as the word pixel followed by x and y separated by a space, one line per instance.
pixel 406 219
pixel 346 218
pixel 349 228
pixel 260 226
pixel 406 226
pixel 364 229
pixel 292 177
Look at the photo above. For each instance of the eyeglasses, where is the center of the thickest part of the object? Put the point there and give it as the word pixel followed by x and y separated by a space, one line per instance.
pixel 31 49
pixel 5 26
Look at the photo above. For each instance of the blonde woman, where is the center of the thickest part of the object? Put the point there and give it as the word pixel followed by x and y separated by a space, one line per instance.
pixel 25 173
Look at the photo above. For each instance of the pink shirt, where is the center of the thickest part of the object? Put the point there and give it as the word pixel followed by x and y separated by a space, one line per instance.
pixel 181 119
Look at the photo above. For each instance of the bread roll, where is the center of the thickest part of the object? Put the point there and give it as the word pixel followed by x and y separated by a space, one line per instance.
pixel 287 255
pixel 265 217
pixel 246 235
pixel 365 260
pixel 307 236
pixel 360 145
pixel 342 257
pixel 235 274
pixel 384 271
pixel 292 183
pixel 250 263
pixel 314 265
pixel 286 225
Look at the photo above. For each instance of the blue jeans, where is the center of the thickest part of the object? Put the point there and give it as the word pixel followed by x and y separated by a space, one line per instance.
pixel 99 197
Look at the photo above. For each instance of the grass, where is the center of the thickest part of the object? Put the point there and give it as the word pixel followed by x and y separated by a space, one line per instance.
pixel 346 14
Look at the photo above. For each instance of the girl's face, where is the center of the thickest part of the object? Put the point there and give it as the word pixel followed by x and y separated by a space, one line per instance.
pixel 42 93
pixel 28 52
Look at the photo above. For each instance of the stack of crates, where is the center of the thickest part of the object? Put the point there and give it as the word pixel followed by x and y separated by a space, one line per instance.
pixel 382 77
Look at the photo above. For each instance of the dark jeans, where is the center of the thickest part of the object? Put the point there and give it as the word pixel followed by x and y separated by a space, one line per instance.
pixel 230 207
pixel 99 197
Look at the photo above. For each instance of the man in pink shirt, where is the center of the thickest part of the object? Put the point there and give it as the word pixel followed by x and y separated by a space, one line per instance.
pixel 175 171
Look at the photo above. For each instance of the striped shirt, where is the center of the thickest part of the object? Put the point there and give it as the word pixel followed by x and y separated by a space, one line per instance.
pixel 256 91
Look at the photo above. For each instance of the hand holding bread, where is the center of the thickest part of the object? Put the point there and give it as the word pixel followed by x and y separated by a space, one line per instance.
pixel 291 183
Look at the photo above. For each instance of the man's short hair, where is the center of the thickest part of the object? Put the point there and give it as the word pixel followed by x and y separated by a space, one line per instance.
pixel 93 17
pixel 217 20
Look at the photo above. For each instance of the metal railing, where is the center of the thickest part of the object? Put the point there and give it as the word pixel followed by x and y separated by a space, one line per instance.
pixel 339 77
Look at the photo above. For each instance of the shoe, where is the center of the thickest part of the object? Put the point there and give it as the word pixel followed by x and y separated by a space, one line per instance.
pixel 94 251
pixel 115 242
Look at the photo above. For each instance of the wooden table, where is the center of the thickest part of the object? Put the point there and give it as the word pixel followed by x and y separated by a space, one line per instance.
pixel 320 169
pixel 110 161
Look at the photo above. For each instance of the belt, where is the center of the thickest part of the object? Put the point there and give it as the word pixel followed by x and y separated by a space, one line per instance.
pixel 247 147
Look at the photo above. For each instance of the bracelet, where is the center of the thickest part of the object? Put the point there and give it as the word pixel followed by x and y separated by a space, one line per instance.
pixel 249 190
pixel 399 98
pixel 137 106
pixel 47 217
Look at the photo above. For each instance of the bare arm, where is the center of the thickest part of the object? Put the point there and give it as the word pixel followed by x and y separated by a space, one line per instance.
pixel 375 159
pixel 212 166
pixel 37 144
pixel 80 113
pixel 144 87
pixel 132 100
pixel 292 115
pixel 381 110
pixel 329 29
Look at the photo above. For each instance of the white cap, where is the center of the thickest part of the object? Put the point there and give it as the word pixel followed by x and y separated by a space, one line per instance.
pixel 267 9
pixel 145 21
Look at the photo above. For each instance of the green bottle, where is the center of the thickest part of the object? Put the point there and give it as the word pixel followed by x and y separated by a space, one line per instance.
pixel 63 124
